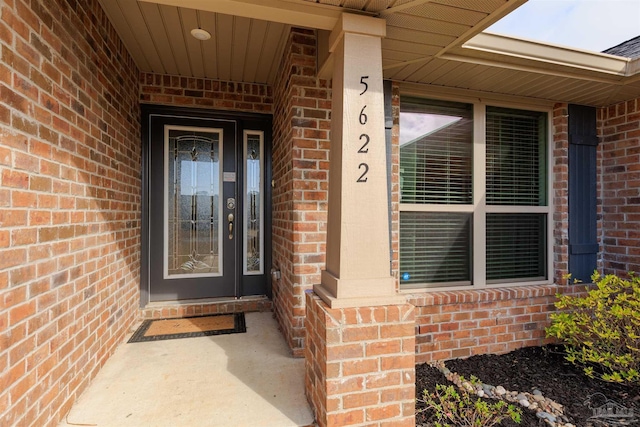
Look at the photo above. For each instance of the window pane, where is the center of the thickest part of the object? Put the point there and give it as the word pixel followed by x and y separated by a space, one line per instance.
pixel 435 247
pixel 516 157
pixel 193 243
pixel 516 246
pixel 253 205
pixel 436 148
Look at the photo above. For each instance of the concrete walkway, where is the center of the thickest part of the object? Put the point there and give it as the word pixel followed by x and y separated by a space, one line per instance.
pixel 233 380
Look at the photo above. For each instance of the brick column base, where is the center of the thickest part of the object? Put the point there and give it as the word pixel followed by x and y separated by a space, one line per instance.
pixel 360 364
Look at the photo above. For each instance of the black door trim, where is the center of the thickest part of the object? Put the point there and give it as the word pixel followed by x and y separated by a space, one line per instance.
pixel 253 121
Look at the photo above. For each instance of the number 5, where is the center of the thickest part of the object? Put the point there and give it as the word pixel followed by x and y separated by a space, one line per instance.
pixel 362 82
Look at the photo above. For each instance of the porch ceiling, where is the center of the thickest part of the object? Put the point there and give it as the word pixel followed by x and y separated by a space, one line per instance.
pixel 158 37
pixel 248 35
pixel 429 42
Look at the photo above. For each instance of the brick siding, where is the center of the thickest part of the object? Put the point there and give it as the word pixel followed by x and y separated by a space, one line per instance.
pixel 69 203
pixel 302 107
pixel 456 324
pixel 360 364
pixel 619 155
pixel 173 310
pixel 560 129
pixel 205 93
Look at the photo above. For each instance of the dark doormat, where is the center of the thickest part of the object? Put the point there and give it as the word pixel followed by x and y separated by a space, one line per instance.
pixel 188 327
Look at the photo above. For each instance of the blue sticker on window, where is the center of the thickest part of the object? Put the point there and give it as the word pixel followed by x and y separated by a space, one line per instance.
pixel 406 276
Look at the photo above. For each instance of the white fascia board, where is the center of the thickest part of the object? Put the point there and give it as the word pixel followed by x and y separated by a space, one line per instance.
pixel 548 53
pixel 634 67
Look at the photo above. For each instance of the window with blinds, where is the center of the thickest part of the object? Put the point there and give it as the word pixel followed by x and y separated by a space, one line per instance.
pixel 437 247
pixel 458 227
pixel 516 247
pixel 516 157
pixel 436 168
pixel 436 148
pixel 516 176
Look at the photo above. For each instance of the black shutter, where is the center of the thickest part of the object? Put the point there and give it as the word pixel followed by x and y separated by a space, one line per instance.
pixel 583 142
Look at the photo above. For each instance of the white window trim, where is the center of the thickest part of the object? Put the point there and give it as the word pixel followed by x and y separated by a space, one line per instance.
pixel 479 208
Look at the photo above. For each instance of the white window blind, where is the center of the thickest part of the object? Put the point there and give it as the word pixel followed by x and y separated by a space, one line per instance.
pixel 516 154
pixel 516 246
pixel 437 247
pixel 436 149
pixel 516 171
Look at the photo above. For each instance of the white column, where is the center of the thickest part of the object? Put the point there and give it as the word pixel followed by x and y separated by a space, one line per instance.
pixel 358 262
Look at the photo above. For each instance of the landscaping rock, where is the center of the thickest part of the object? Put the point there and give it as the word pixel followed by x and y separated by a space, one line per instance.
pixel 467 386
pixel 546 416
pixel 538 397
pixel 544 408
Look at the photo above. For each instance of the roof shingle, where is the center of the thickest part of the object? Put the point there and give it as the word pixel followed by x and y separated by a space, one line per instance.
pixel 628 49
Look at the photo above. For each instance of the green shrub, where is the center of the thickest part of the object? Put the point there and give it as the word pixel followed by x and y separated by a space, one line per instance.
pixel 453 409
pixel 602 329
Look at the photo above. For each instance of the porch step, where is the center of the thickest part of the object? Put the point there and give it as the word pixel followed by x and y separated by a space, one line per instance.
pixel 203 307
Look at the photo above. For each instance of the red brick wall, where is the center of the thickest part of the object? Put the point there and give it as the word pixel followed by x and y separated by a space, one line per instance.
pixel 619 154
pixel 69 203
pixel 463 323
pixel 205 93
pixel 302 107
pixel 360 364
pixel 560 192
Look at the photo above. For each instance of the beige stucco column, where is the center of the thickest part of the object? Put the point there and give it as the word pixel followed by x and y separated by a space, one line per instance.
pixel 358 261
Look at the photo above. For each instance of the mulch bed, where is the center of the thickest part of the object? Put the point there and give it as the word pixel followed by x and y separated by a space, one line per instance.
pixel 526 369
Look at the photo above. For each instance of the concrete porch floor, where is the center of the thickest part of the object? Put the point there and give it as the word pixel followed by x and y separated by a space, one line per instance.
pixel 247 379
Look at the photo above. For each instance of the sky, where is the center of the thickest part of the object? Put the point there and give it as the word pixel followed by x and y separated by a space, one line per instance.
pixel 586 24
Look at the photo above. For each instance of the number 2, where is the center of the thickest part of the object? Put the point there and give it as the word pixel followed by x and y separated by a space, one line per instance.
pixel 366 170
pixel 362 149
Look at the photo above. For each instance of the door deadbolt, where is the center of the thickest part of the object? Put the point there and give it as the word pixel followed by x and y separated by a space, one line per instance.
pixel 231 203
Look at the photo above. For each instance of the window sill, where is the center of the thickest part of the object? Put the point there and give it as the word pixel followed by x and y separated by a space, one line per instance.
pixel 439 296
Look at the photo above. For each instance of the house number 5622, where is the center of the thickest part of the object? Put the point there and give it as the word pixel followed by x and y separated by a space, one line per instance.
pixel 363 167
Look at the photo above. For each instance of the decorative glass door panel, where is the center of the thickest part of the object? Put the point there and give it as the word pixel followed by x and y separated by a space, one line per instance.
pixel 253 203
pixel 193 236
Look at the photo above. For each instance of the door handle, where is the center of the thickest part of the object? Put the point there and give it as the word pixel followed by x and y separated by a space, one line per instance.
pixel 230 219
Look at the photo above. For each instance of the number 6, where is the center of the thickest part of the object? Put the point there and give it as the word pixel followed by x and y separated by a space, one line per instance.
pixel 363 116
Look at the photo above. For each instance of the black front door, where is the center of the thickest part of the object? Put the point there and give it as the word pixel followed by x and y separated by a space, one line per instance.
pixel 206 208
